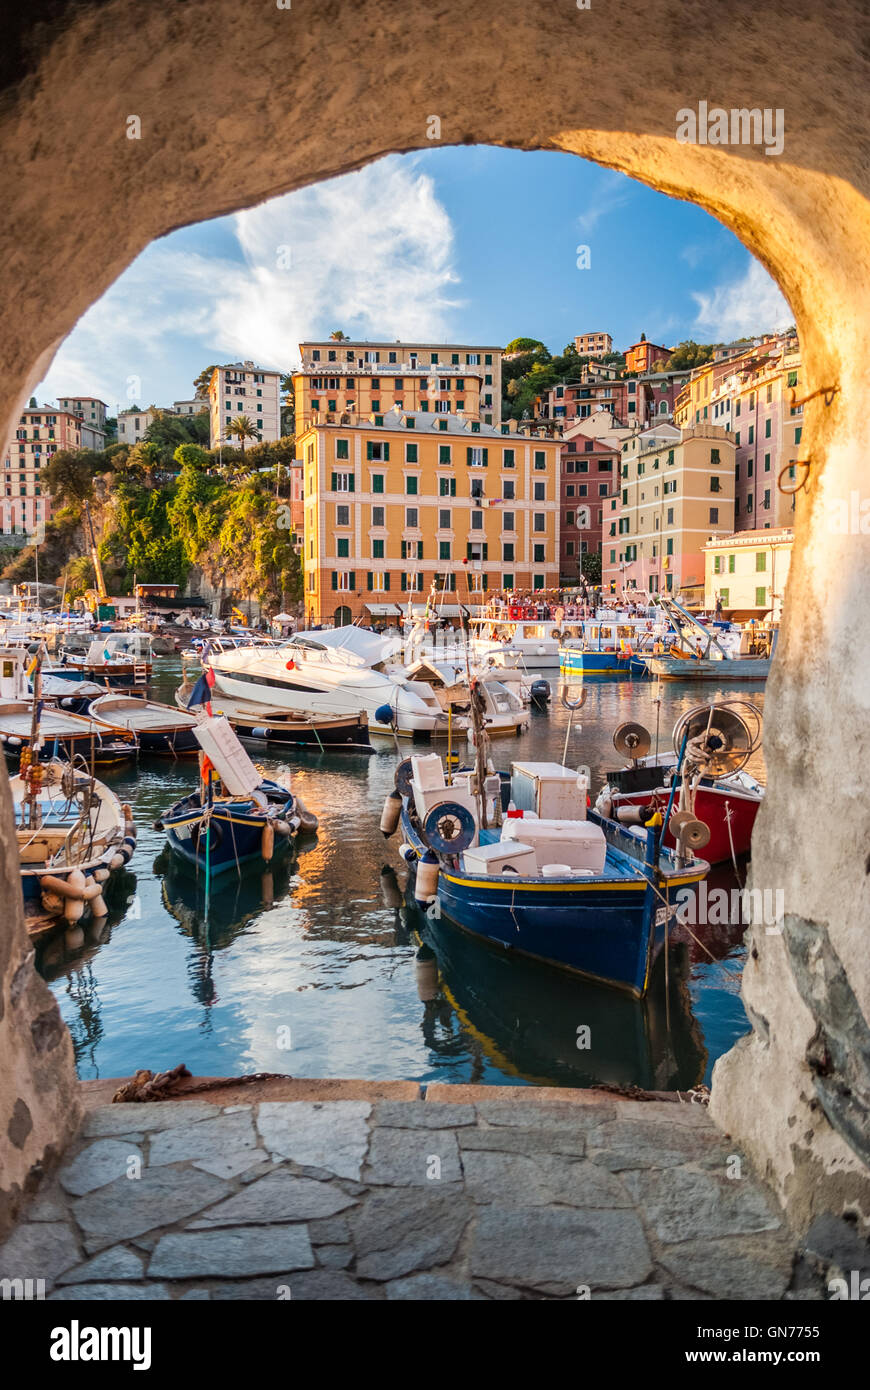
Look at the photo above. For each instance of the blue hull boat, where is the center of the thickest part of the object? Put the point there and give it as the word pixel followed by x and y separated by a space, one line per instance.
pixel 606 923
pixel 221 835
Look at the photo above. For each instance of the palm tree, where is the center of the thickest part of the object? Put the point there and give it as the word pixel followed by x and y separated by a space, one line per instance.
pixel 242 428
pixel 339 337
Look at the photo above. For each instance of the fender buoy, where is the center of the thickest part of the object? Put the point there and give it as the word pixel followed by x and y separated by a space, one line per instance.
pixel 426 881
pixel 267 841
pixel 291 665
pixel 390 814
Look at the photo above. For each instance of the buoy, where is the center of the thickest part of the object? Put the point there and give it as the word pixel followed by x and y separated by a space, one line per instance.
pixel 384 714
pixel 267 841
pixel 426 884
pixel 390 814
pixel 407 852
pixel 262 734
pixel 283 828
pixel 291 665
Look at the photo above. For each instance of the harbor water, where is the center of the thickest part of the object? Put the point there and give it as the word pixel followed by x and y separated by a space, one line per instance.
pixel 321 968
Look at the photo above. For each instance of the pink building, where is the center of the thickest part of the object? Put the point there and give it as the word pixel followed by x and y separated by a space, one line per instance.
pixel 42 430
pixel 589 473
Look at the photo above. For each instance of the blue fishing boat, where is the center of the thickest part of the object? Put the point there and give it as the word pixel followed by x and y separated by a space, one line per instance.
pixel 519 862
pixel 235 816
pixel 611 645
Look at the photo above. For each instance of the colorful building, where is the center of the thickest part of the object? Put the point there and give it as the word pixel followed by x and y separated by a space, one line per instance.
pixel 593 344
pixel 400 501
pixel 133 424
pixel 750 393
pixel 41 432
pixel 746 573
pixel 589 470
pixel 676 487
pixel 362 378
pixel 241 388
pixel 641 357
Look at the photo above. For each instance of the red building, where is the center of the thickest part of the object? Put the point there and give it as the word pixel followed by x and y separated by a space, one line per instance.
pixel 42 430
pixel 642 356
pixel 589 473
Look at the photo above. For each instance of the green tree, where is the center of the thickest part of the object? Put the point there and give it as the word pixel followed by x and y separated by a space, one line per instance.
pixel 69 476
pixel 590 566
pixel 191 456
pixel 338 337
pixel 690 354
pixel 526 345
pixel 242 428
pixel 200 385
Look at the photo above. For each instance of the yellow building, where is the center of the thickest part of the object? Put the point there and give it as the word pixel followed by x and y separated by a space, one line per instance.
pixel 747 573
pixel 676 488
pixel 399 500
pixel 343 377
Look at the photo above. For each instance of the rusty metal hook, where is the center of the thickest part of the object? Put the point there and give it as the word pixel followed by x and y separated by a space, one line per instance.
pixel 798 486
pixel 829 392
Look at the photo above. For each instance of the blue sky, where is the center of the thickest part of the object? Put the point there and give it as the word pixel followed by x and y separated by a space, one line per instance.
pixel 463 244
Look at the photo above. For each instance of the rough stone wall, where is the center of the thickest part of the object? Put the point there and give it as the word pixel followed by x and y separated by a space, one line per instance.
pixel 238 103
pixel 39 1104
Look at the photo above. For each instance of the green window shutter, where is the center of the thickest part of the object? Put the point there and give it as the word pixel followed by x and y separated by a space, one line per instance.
pixel 404 550
pixel 452 487
pixel 404 580
pixel 334 481
pixel 486 458
pixel 386 453
pixel 377 482
pixel 468 453
pixel 352 481
pixel 334 579
pixel 411 453
pixel 352 579
pixel 485 551
pixel 369 450
pixel 468 550
pixel 387 581
pixel 369 581
pixel 485 578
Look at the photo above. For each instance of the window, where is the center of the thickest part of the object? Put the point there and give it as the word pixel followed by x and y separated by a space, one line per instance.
pixel 717 564
pixel 724 594
pixel 538 581
pixel 797 434
pixel 444 453
pixel 342 482
pixel 508 458
pixel 540 459
pixel 767 499
pixel 343 548
pixel 767 427
pixel 377 451
pixel 760 561
pixel 378 514
pixel 751 438
pixel 540 521
pixel 342 515
pixel 714 516
pixel 411 518
pixel 507 582
pixel 714 456
pixel 540 492
pixel 508 521
pixel 732 561
pixel 377 550
pixel 507 552
pixel 377 482
pixel 714 485
pixel 477 521
pixel 477 457
pixel 411 486
pixel 342 448
pixel 792 379
pixel 507 489
pixel 749 502
pixel 410 453
pixel 443 550
pixel 539 556
pixel 444 521
pixel 477 489
pixel 760 597
pixel 446 487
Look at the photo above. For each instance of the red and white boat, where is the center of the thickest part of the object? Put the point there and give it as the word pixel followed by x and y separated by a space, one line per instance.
pixel 712 786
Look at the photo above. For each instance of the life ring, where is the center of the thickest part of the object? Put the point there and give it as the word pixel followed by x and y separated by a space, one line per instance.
pixel 556 634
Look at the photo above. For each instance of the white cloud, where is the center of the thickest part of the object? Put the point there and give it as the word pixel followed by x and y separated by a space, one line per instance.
pixel 612 192
pixel 752 303
pixel 370 253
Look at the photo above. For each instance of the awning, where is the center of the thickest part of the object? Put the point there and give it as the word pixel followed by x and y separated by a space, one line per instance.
pixel 381 610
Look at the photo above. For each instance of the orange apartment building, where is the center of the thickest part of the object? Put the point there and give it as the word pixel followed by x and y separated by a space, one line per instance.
pixel 399 501
pixel 42 430
pixel 361 378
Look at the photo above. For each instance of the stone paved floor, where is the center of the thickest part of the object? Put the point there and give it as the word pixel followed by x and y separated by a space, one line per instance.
pixel 510 1198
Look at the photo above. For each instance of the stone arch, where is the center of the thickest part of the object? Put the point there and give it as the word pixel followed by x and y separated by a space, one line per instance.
pixel 238 103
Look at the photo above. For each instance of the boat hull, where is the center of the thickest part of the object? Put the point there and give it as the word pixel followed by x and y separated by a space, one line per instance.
pixel 234 836
pixel 717 809
pixel 594 663
pixel 674 668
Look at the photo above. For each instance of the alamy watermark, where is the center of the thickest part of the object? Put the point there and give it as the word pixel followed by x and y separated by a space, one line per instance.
pixel 713 125
pixel 720 906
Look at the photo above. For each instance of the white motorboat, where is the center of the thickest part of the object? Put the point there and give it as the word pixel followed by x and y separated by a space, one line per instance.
pixel 504 711
pixel 343 670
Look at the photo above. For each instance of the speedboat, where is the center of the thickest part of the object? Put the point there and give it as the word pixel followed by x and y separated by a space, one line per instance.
pixel 338 671
pixel 123 658
pixel 517 861
pixel 504 710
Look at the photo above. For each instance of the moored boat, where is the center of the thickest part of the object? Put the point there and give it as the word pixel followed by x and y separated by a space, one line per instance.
pixel 235 816
pixel 270 726
pixel 73 833
pixel 54 733
pixel 159 729
pixel 540 877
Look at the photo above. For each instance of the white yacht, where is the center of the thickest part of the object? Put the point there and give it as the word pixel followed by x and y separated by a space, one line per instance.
pixel 335 671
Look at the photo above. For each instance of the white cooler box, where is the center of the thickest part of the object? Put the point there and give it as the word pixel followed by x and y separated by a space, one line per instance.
pixel 501 858
pixel 549 789
pixel 579 844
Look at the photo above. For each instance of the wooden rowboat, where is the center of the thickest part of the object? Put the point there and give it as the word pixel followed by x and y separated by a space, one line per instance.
pixel 160 729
